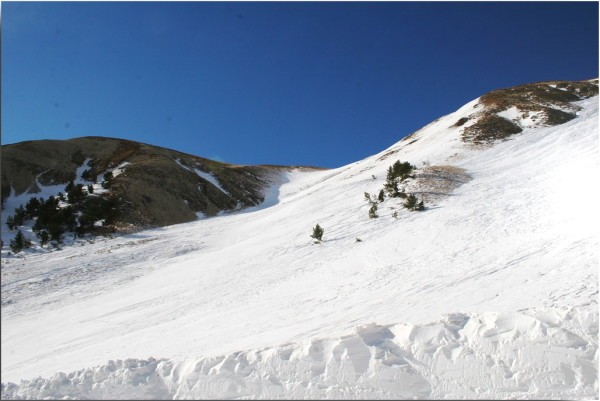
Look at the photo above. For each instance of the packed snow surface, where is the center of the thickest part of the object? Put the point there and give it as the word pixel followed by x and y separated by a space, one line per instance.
pixel 489 293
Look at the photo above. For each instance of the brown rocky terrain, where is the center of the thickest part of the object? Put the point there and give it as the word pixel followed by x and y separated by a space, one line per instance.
pixel 546 103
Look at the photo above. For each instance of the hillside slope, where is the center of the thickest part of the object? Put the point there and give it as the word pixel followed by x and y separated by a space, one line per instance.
pixel 491 292
pixel 154 186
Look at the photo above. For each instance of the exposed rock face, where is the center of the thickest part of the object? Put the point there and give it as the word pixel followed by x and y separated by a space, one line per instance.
pixel 506 112
pixel 157 186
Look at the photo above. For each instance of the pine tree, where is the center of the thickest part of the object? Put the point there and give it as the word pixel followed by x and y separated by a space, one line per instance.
pixel 20 216
pixel 69 186
pixel 390 182
pixel 368 197
pixel 398 172
pixel 10 222
pixel 18 243
pixel 402 170
pixel 411 202
pixel 56 231
pixel 90 189
pixel 76 194
pixel 317 232
pixel 32 206
pixel 43 236
pixel 373 211
pixel 381 196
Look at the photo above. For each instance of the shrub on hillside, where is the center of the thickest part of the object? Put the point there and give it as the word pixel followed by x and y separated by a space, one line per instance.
pixel 373 211
pixel 318 232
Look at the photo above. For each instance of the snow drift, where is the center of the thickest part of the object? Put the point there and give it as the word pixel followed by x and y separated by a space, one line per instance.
pixel 534 354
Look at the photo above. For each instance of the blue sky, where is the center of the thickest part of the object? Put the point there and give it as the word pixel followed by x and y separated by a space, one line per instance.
pixel 322 84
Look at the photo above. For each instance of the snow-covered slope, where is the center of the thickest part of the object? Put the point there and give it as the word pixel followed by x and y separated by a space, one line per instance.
pixel 489 293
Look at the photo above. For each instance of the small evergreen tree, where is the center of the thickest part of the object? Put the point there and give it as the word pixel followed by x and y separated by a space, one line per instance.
pixel 19 242
pixel 69 187
pixel 20 216
pixel 317 232
pixel 10 222
pixel 90 189
pixel 397 172
pixel 56 231
pixel 75 194
pixel 390 182
pixel 411 202
pixel 373 211
pixel 43 236
pixel 381 196
pixel 32 206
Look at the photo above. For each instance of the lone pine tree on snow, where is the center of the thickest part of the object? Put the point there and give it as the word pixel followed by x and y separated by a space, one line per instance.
pixel 317 232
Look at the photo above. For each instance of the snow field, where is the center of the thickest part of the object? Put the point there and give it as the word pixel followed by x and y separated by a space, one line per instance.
pixel 506 266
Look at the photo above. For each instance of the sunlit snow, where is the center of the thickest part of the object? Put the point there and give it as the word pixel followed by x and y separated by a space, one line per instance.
pixel 489 293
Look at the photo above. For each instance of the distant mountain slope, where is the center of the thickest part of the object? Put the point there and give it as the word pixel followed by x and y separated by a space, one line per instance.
pixel 155 187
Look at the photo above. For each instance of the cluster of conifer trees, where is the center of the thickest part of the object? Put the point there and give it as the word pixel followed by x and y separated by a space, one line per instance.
pixel 396 175
pixel 75 211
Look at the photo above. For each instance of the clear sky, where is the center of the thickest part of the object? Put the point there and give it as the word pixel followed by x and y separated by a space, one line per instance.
pixel 322 84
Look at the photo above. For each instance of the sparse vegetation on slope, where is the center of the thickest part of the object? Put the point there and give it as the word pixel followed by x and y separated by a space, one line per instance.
pixel 546 103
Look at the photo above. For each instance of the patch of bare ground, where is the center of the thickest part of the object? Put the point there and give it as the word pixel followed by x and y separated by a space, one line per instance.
pixel 551 102
pixel 432 183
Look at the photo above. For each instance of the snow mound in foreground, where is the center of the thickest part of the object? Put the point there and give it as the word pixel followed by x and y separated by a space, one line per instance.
pixel 536 353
